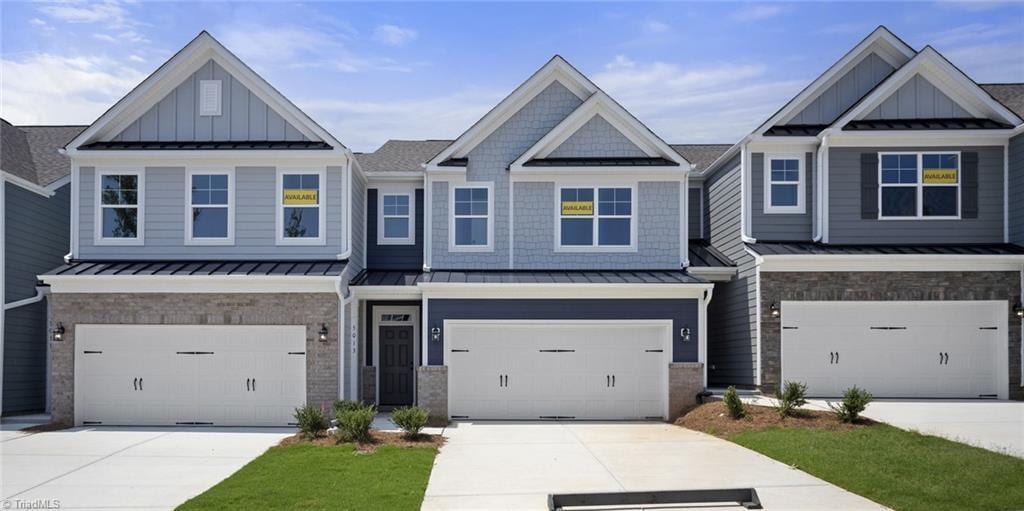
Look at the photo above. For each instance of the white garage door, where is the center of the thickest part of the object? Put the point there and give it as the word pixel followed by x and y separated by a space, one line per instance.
pixel 897 349
pixel 189 374
pixel 557 369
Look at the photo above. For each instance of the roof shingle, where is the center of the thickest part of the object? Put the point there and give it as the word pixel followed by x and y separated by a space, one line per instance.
pixel 401 155
pixel 31 152
pixel 1011 95
pixel 701 155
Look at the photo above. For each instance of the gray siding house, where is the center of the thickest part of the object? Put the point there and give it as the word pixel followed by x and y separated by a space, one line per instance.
pixel 36 228
pixel 875 226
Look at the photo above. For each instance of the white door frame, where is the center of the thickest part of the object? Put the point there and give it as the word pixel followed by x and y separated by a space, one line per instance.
pixel 1003 376
pixel 566 323
pixel 414 322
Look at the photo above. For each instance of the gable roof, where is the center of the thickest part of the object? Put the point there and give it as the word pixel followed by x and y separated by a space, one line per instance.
pixel 32 152
pixel 1011 95
pixel 946 77
pixel 601 104
pixel 401 155
pixel 701 156
pixel 170 74
pixel 556 69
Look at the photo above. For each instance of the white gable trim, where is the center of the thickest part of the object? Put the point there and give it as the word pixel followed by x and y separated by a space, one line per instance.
pixel 169 75
pixel 45 191
pixel 557 69
pixel 601 104
pixel 943 75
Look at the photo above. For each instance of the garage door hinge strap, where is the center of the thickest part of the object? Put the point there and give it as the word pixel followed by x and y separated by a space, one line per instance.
pixel 654 351
pixel 88 352
pixel 195 353
pixel 988 328
pixel 790 328
pixel 888 328
pixel 460 351
pixel 558 351
pixel 296 352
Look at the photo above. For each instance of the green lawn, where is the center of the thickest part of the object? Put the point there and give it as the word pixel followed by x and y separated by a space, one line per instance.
pixel 899 469
pixel 309 477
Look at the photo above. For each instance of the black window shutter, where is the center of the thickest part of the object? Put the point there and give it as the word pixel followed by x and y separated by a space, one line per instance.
pixel 869 186
pixel 969 185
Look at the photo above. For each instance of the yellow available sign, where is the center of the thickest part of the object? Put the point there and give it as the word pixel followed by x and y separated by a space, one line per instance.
pixel 297 197
pixel 577 208
pixel 940 176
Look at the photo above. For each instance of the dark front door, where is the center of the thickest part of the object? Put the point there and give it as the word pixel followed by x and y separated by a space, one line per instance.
pixel 396 365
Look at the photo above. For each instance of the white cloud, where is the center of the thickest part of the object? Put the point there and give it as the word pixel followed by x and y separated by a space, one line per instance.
pixel 848 28
pixel 973 33
pixel 365 125
pixel 55 89
pixel 394 35
pixel 711 103
pixel 656 27
pixel 756 12
pixel 989 63
pixel 109 12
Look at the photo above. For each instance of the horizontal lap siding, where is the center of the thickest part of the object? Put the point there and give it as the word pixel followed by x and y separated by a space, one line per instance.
pixel 695 213
pixel 1017 189
pixel 732 311
pixel 775 226
pixel 37 237
pixel 255 218
pixel 393 257
pixel 25 337
pixel 846 226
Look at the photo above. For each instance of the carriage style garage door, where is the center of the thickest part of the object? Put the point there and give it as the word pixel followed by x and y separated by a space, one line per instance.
pixel 189 374
pixel 558 369
pixel 897 349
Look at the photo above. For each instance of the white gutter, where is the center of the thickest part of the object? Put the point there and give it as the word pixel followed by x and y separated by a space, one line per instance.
pixel 27 301
pixel 758 261
pixel 349 168
pixel 745 194
pixel 819 187
pixel 342 302
pixel 428 220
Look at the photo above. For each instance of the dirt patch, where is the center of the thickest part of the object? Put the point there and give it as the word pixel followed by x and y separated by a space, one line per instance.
pixel 43 428
pixel 713 418
pixel 378 439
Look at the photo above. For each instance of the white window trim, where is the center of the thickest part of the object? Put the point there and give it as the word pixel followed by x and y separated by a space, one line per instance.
pixel 801 186
pixel 452 246
pixel 595 247
pixel 920 185
pixel 189 238
pixel 279 202
pixel 408 191
pixel 140 206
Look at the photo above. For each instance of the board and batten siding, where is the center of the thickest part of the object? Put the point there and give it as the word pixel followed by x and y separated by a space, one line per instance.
pixel 255 219
pixel 833 101
pixel 780 226
pixel 1016 189
pixel 845 225
pixel 695 212
pixel 488 162
pixel 656 218
pixel 244 116
pixel 918 99
pixel 732 314
pixel 393 257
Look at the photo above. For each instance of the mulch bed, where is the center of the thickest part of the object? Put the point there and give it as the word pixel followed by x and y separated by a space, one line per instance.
pixel 713 418
pixel 43 428
pixel 378 439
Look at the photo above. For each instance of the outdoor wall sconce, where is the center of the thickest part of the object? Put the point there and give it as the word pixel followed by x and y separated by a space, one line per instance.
pixel 435 334
pixel 58 332
pixel 1018 310
pixel 685 333
pixel 774 310
pixel 323 332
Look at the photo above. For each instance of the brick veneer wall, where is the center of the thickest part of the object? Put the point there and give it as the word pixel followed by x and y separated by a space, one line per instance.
pixel 369 385
pixel 685 381
pixel 309 309
pixel 432 391
pixel 868 286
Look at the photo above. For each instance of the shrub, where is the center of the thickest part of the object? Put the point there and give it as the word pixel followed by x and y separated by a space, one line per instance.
pixel 855 400
pixel 733 403
pixel 354 423
pixel 344 405
pixel 411 419
pixel 791 397
pixel 311 420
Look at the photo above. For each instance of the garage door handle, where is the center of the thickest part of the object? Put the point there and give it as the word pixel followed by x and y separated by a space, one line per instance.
pixel 837 357
pixel 140 383
pixel 607 380
pixel 254 384
pixel 613 380
pixel 247 384
pixel 135 384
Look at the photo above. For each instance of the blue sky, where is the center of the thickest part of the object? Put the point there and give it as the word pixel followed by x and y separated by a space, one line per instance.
pixel 694 72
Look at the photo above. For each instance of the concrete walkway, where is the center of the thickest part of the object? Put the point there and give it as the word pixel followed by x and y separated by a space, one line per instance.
pixel 515 465
pixel 126 468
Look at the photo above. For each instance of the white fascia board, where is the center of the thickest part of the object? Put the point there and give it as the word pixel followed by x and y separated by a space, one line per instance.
pixel 556 69
pixel 619 173
pixel 189 284
pixel 386 292
pixel 912 138
pixel 189 59
pixel 26 184
pixel 944 75
pixel 623 121
pixel 325 158
pixel 414 175
pixel 890 263
pixel 714 274
pixel 760 144
pixel 562 291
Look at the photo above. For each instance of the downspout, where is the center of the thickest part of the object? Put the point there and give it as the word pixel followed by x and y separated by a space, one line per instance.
pixel 745 196
pixel 347 253
pixel 758 261
pixel 343 300
pixel 428 213
pixel 684 225
pixel 703 355
pixel 819 206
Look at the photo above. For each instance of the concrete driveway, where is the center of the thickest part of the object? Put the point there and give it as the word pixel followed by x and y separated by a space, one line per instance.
pixel 993 425
pixel 128 468
pixel 516 465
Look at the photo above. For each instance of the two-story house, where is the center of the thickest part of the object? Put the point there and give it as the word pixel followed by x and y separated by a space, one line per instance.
pixel 538 266
pixel 35 198
pixel 209 242
pixel 873 220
